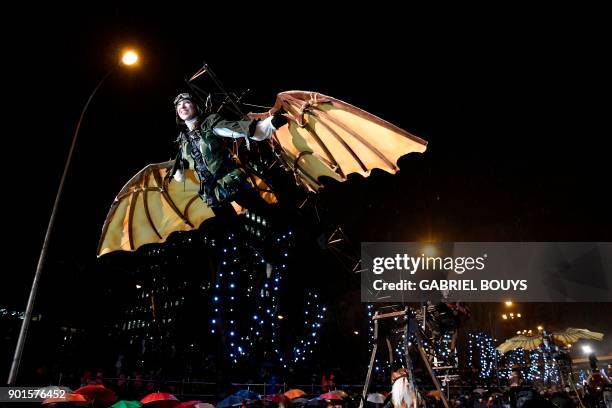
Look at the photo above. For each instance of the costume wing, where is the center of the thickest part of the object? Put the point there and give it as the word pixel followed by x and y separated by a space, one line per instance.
pixel 329 137
pixel 572 335
pixel 524 342
pixel 149 208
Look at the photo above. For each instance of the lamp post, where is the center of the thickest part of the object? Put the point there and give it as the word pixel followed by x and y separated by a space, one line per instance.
pixel 128 58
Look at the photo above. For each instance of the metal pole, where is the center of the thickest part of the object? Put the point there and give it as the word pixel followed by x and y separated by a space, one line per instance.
pixel 41 260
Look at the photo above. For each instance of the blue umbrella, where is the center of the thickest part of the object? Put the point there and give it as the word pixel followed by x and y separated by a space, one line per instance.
pixel 316 402
pixel 230 401
pixel 247 394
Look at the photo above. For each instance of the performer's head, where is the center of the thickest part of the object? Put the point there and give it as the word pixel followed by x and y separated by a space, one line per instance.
pixel 185 108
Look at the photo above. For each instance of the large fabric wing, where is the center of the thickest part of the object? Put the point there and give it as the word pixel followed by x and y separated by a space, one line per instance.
pixel 572 335
pixel 149 208
pixel 524 342
pixel 329 137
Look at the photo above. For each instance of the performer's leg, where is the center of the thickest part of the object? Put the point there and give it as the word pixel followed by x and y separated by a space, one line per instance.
pixel 250 199
pixel 224 210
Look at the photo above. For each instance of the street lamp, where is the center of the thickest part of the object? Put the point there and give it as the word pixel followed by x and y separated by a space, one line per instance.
pixel 129 58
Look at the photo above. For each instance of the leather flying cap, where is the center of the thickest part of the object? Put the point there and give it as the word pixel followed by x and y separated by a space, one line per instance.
pixel 181 97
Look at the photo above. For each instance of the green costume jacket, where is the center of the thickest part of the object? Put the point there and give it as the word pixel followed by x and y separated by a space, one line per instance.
pixel 212 134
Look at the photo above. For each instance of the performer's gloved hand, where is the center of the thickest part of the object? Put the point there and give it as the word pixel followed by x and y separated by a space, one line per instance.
pixel 178 176
pixel 279 120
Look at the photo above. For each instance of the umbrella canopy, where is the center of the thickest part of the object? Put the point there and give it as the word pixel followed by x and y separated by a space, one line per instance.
pixel 331 396
pixel 231 401
pixel 294 393
pixel 247 394
pixel 300 401
pixel 376 398
pixel 191 404
pixel 126 404
pixel 341 393
pixel 76 400
pixel 160 400
pixel 101 396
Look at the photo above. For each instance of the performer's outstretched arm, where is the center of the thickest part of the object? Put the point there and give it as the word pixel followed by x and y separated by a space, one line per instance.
pixel 263 130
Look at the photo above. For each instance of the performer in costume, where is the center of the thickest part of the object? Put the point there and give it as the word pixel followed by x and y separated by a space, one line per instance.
pixel 203 149
pixel 325 138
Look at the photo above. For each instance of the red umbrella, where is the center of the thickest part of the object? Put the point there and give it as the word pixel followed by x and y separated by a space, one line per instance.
pixel 160 400
pixel 331 396
pixel 100 395
pixel 77 400
pixel 189 404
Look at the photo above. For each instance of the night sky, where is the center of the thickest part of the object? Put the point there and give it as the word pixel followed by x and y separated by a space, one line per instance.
pixel 513 112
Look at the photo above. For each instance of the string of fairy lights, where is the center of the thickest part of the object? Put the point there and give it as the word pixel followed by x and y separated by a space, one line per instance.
pixel 513 360
pixel 257 288
pixel 535 361
pixel 313 316
pixel 533 365
pixel 482 353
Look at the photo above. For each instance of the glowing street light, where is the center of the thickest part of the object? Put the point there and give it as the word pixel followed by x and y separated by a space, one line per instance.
pixel 586 349
pixel 508 303
pixel 540 328
pixel 505 316
pixel 129 58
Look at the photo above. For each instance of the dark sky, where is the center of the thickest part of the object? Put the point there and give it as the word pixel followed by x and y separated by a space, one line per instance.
pixel 513 104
